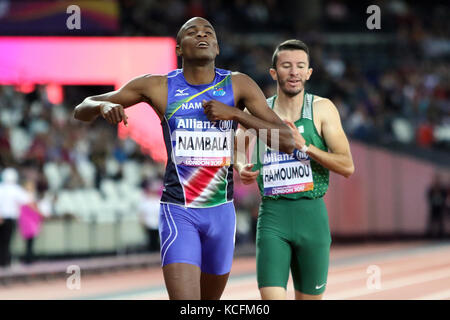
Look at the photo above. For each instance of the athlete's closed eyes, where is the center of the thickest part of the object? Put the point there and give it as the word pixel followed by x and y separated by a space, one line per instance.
pixel 300 65
pixel 191 31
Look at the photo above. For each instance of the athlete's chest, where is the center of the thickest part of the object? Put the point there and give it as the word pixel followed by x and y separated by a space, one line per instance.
pixel 307 119
pixel 309 128
pixel 187 100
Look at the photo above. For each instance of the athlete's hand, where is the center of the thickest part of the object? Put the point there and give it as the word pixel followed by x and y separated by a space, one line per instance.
pixel 113 113
pixel 247 175
pixel 216 110
pixel 298 138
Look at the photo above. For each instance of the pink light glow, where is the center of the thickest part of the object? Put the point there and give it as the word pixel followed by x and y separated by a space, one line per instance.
pixel 55 93
pixel 93 61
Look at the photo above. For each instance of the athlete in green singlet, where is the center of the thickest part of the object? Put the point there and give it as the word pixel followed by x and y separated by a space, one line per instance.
pixel 293 231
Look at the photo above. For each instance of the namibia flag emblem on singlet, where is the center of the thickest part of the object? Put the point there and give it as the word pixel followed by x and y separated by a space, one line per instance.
pixel 219 92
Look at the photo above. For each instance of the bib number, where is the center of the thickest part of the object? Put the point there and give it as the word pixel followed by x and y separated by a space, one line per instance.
pixel 287 177
pixel 203 148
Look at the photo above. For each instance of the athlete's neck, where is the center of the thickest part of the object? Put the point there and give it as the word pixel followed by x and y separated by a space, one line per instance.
pixel 289 107
pixel 199 74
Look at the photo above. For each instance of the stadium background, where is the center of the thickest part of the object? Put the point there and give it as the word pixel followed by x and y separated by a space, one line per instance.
pixel 390 85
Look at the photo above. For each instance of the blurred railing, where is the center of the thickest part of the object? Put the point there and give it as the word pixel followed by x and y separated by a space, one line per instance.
pixel 386 196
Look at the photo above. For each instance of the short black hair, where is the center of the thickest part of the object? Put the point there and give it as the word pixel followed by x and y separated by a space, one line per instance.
pixel 292 44
pixel 180 31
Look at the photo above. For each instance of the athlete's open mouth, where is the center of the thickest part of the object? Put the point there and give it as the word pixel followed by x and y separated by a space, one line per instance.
pixel 294 81
pixel 202 44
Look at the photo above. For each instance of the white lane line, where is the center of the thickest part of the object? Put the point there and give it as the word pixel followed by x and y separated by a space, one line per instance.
pixel 391 284
pixel 351 265
pixel 385 270
pixel 440 295
pixel 253 293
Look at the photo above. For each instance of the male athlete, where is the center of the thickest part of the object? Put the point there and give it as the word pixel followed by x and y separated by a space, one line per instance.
pixel 292 230
pixel 196 105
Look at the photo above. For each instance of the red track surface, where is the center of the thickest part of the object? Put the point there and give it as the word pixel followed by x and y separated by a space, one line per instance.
pixel 408 271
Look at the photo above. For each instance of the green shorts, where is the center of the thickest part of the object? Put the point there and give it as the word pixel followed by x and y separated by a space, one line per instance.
pixel 293 234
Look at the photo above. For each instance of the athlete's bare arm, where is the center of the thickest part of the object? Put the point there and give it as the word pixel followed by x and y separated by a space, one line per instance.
pixel 260 116
pixel 147 88
pixel 243 140
pixel 248 95
pixel 339 159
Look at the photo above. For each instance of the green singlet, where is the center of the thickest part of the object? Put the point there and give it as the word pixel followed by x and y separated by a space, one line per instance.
pixel 293 229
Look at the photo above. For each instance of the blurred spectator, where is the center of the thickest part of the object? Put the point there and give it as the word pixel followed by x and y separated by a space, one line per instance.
pixel 425 135
pixel 378 82
pixel 6 157
pixel 74 181
pixel 30 222
pixel 334 65
pixel 12 197
pixel 392 85
pixel 195 8
pixel 149 214
pixel 437 197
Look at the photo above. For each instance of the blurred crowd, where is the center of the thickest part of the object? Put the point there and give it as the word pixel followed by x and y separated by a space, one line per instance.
pixel 390 85
pixel 47 157
pixel 438 198
pixel 44 151
pixel 34 132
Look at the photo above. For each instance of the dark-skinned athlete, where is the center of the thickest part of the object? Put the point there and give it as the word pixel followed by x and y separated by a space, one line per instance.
pixel 199 106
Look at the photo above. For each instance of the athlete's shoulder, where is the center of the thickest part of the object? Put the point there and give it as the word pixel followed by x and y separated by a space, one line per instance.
pixel 323 103
pixel 325 109
pixel 150 79
pixel 320 100
pixel 157 81
pixel 242 81
pixel 239 76
pixel 150 86
pixel 143 83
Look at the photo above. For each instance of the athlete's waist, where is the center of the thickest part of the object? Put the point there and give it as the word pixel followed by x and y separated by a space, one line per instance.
pixel 291 198
pixel 185 206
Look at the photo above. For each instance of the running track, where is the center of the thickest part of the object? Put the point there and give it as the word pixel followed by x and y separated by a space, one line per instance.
pixel 419 270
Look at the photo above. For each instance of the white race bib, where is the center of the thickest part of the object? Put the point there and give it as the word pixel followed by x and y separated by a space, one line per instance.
pixel 203 148
pixel 288 176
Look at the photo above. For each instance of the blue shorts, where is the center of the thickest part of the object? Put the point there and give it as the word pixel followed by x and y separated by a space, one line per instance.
pixel 200 236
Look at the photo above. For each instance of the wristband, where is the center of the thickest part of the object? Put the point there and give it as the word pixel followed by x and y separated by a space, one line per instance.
pixel 304 149
pixel 301 154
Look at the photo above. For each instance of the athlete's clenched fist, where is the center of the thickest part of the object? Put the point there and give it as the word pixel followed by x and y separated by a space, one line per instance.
pixel 113 113
pixel 247 175
pixel 298 138
pixel 216 110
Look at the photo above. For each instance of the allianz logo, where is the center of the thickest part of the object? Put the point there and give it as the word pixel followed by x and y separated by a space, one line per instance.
pixel 192 123
pixel 271 156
